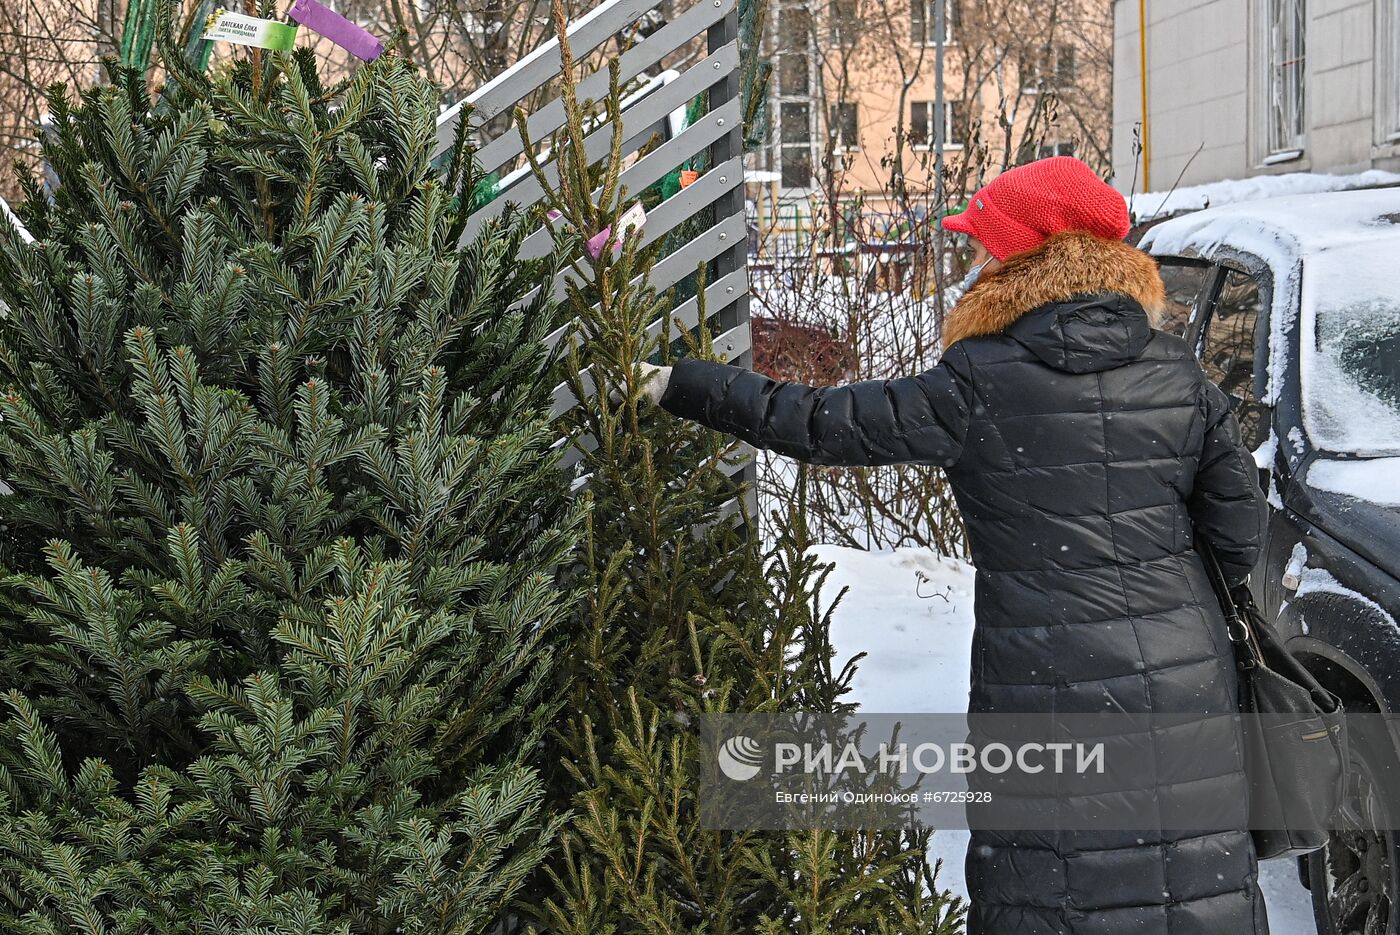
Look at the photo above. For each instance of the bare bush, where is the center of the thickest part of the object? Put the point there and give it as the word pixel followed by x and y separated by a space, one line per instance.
pixel 852 272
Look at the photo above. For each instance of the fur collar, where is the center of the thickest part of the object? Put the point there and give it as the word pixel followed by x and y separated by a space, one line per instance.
pixel 1066 265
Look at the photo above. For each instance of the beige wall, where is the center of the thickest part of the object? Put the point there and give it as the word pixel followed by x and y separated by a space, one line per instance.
pixel 1202 94
pixel 877 96
pixel 884 72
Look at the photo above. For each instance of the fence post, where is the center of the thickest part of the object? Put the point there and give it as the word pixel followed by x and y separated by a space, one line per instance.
pixel 728 146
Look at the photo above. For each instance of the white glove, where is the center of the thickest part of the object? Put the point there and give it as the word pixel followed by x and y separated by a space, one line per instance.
pixel 653 386
pixel 655 381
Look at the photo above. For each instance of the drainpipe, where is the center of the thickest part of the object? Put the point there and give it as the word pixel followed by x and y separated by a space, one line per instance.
pixel 1142 67
pixel 940 141
pixel 940 128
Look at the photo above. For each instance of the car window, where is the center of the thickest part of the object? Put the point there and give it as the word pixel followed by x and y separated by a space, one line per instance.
pixel 1229 348
pixel 1184 281
pixel 1349 360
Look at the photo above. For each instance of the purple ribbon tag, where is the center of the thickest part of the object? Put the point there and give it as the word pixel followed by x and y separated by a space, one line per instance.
pixel 354 39
pixel 634 216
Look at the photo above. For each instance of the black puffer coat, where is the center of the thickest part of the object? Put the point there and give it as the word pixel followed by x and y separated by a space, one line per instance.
pixel 1083 447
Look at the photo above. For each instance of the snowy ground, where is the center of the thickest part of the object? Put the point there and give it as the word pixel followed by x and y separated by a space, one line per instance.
pixel 918 634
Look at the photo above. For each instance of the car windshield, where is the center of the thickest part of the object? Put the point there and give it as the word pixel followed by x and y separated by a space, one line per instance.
pixel 1350 361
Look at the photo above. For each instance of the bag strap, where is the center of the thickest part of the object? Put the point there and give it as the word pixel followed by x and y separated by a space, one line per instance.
pixel 1249 655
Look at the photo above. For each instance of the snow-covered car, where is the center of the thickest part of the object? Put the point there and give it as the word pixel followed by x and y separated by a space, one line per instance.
pixel 1293 305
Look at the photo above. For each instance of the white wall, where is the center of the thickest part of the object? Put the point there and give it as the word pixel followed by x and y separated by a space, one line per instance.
pixel 1199 91
pixel 1341 60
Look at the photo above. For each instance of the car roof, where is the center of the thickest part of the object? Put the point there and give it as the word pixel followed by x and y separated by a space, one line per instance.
pixel 1282 230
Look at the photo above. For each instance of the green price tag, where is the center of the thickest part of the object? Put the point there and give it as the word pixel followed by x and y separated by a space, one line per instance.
pixel 224 26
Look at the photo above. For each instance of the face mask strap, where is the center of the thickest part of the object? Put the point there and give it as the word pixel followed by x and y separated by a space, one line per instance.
pixel 973 274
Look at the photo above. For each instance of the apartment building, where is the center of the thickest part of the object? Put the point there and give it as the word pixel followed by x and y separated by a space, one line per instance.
pixel 1237 88
pixel 852 97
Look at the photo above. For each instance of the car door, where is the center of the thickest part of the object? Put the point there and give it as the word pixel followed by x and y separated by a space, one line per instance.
pixel 1232 343
pixel 1186 279
pixel 1230 334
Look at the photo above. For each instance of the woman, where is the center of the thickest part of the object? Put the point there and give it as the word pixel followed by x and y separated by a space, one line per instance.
pixel 1084 450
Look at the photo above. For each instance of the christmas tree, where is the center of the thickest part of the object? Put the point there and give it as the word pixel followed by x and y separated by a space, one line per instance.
pixel 280 620
pixel 684 612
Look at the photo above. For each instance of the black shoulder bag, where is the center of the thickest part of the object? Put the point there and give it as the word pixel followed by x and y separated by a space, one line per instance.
pixel 1295 749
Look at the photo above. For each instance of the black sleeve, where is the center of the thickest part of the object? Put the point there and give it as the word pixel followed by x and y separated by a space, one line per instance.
pixel 1226 504
pixel 912 420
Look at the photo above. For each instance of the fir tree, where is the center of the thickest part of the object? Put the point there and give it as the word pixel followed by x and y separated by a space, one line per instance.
pixel 684 612
pixel 280 623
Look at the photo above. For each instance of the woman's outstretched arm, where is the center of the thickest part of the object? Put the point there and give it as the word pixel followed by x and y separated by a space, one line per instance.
pixel 920 420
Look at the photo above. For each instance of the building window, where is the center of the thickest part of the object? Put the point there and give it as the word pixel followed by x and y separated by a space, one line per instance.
pixel 957 123
pixel 795 133
pixel 1053 68
pixel 921 123
pixel 797 122
pixel 795 76
pixel 1281 43
pixel 1047 150
pixel 794 73
pixel 843 22
pixel 923 21
pixel 922 120
pixel 1066 65
pixel 795 51
pixel 844 126
pixel 1388 72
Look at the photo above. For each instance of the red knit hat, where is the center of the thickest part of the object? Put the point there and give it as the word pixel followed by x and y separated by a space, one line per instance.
pixel 1019 209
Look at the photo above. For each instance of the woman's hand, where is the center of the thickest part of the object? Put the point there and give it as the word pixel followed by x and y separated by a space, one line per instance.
pixel 654 381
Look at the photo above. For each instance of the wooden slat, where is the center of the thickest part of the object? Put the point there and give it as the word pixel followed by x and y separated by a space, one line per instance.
pixel 597 145
pixel 652 167
pixel 533 71
pixel 673 212
pixel 716 195
pixel 540 123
